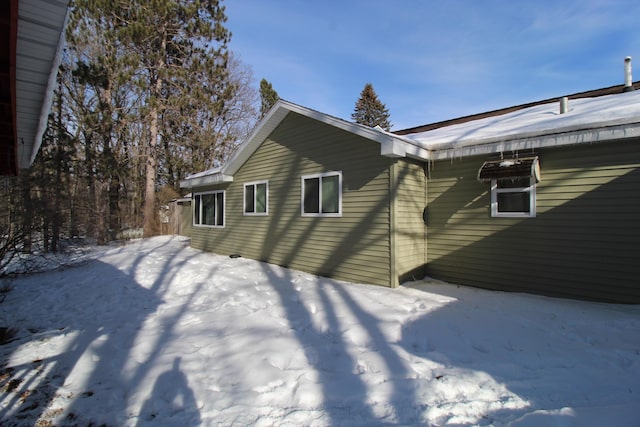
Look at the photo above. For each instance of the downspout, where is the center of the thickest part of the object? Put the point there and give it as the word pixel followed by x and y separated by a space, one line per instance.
pixel 425 216
pixel 393 229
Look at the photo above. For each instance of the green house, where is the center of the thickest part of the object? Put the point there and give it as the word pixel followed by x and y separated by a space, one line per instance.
pixel 539 198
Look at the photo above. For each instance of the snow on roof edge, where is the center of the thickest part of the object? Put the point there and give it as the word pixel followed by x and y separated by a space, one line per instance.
pixel 586 116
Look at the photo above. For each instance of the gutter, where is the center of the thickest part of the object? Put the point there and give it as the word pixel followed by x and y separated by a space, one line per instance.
pixel 614 130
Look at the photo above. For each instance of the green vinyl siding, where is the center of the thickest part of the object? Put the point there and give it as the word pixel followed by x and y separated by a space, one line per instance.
pixel 582 243
pixel 354 246
pixel 409 192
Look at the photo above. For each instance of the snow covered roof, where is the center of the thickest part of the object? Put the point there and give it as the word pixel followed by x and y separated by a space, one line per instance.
pixel 587 120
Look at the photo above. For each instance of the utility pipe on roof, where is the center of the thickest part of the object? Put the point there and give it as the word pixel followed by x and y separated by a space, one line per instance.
pixel 628 81
pixel 564 104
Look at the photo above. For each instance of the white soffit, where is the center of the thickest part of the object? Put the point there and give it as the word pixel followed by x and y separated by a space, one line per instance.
pixel 39 43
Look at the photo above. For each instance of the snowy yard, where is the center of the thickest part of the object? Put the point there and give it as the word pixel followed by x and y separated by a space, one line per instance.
pixel 156 333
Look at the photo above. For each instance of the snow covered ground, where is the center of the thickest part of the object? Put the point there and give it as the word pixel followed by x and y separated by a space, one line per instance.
pixel 157 333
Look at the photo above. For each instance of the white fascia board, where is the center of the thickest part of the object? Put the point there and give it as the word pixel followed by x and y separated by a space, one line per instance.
pixel 413 151
pixel 390 144
pixel 559 138
pixel 199 181
pixel 396 146
pixel 262 130
pixel 393 148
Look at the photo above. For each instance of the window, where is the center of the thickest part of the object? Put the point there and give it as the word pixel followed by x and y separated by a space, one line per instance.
pixel 513 185
pixel 208 209
pixel 322 194
pixel 256 196
pixel 514 197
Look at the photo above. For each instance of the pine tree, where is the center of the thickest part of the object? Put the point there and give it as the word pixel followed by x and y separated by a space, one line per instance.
pixel 268 96
pixel 370 111
pixel 178 52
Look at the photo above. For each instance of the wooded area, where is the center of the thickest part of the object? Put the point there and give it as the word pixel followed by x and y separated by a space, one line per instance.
pixel 147 92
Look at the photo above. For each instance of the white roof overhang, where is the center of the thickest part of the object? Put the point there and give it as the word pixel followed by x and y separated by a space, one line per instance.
pixel 39 45
pixel 534 140
pixel 588 120
pixel 209 177
pixel 390 145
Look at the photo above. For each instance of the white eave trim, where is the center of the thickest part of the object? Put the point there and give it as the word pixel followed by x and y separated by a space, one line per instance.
pixel 199 181
pixel 391 145
pixel 48 95
pixel 561 137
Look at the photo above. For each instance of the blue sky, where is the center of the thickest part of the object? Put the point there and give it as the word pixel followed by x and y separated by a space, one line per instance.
pixel 434 60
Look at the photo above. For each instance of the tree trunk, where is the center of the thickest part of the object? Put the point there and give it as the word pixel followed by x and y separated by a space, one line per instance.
pixel 150 224
pixel 91 199
pixel 150 227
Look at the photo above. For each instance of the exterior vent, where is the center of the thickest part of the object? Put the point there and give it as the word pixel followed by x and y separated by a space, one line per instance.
pixel 525 167
pixel 564 104
pixel 628 80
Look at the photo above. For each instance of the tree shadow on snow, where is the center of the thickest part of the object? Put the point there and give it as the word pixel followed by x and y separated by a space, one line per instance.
pixel 514 368
pixel 99 354
pixel 346 395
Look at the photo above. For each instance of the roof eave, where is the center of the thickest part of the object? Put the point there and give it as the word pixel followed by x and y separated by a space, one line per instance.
pixel 40 24
pixel 396 148
pixel 217 178
pixel 561 137
pixel 390 145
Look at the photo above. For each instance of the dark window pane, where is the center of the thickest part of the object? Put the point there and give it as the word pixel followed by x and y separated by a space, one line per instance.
pixel 196 210
pixel 261 198
pixel 219 209
pixel 248 199
pixel 330 194
pixel 312 195
pixel 208 209
pixel 514 202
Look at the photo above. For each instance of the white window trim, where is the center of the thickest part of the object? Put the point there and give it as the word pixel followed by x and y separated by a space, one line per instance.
pixel 531 189
pixel 224 209
pixel 244 199
pixel 321 175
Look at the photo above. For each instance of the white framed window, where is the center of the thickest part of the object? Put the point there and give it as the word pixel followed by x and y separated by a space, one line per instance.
pixel 513 197
pixel 321 194
pixel 256 198
pixel 208 209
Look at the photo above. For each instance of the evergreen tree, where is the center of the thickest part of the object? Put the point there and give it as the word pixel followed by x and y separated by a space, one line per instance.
pixel 140 81
pixel 268 96
pixel 177 50
pixel 370 111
